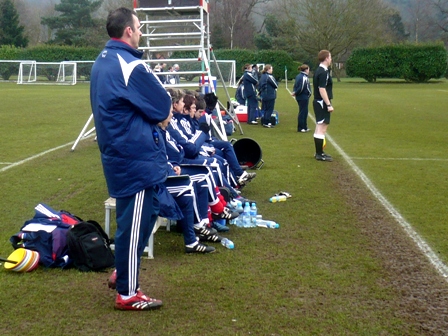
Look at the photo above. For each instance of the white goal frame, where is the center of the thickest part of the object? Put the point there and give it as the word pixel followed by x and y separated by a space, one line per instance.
pixel 232 74
pixel 30 76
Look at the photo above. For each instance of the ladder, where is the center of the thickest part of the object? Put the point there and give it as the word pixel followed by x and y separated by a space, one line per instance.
pixel 179 25
pixel 183 25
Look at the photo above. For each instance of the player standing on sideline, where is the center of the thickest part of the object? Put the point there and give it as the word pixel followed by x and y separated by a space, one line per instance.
pixel 323 93
pixel 268 92
pixel 128 102
pixel 302 93
pixel 250 91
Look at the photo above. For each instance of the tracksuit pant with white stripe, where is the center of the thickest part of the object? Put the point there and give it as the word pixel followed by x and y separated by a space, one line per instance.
pixel 184 194
pixel 136 216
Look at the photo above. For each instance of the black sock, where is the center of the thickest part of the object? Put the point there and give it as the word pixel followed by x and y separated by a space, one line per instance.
pixel 318 143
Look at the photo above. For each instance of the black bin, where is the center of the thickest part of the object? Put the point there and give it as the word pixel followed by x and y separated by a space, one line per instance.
pixel 248 152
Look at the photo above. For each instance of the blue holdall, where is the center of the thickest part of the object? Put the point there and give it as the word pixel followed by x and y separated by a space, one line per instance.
pixel 46 234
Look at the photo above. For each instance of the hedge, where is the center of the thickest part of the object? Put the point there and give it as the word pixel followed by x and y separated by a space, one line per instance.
pixel 412 62
pixel 52 53
pixel 46 53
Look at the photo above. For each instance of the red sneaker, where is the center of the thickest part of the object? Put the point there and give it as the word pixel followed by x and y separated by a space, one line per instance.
pixel 138 302
pixel 112 282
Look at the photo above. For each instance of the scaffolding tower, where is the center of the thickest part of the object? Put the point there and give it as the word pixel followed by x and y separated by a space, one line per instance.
pixel 180 25
pixel 183 25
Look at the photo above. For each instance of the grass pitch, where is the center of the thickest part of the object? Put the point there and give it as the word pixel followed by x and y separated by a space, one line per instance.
pixel 317 275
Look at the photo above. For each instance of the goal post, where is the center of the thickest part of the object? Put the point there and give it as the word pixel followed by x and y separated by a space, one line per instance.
pixel 67 73
pixel 27 72
pixel 228 71
pixel 55 73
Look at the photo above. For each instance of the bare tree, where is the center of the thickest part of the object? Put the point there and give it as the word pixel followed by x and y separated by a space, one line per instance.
pixel 421 20
pixel 30 13
pixel 441 11
pixel 335 25
pixel 235 18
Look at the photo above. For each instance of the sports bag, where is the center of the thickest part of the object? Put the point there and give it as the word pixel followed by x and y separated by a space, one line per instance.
pixel 46 233
pixel 89 247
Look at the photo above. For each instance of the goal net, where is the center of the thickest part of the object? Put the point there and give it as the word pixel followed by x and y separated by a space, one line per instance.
pixel 56 73
pixel 228 71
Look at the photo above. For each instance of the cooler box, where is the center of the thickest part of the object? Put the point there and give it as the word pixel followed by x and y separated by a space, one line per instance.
pixel 241 113
pixel 169 3
pixel 205 87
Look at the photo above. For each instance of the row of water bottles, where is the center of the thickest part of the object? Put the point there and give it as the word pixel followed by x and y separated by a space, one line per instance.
pixel 250 218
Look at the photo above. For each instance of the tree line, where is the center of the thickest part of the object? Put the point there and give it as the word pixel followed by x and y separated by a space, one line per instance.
pixel 299 27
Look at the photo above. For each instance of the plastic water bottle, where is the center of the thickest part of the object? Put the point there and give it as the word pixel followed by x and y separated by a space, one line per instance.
pixel 275 199
pixel 246 215
pixel 227 243
pixel 267 224
pixel 253 215
pixel 239 206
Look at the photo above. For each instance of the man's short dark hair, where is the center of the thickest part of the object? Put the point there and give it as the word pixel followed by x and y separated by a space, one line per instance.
pixel 118 20
pixel 323 54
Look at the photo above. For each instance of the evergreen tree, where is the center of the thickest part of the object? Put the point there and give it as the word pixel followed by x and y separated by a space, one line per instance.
pixel 75 25
pixel 11 32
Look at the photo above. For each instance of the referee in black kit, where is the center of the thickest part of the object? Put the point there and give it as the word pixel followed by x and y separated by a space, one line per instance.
pixel 323 93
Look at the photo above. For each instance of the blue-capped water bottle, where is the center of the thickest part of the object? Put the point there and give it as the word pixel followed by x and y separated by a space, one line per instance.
pixel 239 206
pixel 253 215
pixel 227 243
pixel 246 215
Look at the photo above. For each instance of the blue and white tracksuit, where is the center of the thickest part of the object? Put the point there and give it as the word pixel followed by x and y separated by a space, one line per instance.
pixel 200 173
pixel 268 91
pixel 128 101
pixel 250 91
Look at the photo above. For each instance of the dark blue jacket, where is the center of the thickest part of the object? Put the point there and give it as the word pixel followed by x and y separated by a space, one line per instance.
pixel 249 82
pixel 128 101
pixel 302 87
pixel 268 87
pixel 191 145
pixel 240 95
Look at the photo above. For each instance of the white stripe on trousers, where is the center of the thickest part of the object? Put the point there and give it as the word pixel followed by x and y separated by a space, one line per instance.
pixel 133 244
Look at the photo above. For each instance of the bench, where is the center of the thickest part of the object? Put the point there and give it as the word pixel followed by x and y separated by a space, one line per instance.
pixel 109 205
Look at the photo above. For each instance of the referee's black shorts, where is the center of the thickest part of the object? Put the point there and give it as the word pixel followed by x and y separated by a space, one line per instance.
pixel 321 112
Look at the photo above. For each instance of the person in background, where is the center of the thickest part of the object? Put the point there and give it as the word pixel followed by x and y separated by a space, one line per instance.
pixel 250 82
pixel 128 101
pixel 239 94
pixel 162 68
pixel 268 91
pixel 255 72
pixel 176 76
pixel 323 93
pixel 302 93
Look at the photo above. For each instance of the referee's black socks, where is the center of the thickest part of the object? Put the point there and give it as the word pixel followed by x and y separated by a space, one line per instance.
pixel 319 143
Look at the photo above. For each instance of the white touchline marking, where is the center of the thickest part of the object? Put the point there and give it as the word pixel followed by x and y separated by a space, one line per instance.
pixel 422 245
pixel 18 163
pixel 396 159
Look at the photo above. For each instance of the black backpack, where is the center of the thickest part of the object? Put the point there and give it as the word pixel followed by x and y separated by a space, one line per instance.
pixel 89 247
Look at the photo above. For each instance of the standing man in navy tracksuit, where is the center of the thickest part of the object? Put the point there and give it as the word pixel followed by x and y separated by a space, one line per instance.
pixel 128 102
pixel 250 83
